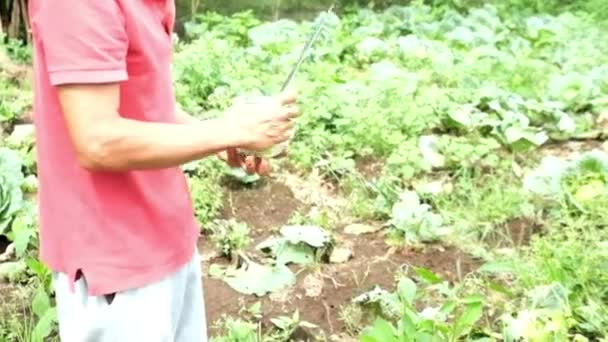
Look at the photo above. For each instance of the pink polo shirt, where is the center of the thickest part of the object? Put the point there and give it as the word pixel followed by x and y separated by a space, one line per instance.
pixel 121 229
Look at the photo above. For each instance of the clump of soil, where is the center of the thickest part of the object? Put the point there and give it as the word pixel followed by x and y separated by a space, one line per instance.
pixel 266 205
pixel 514 233
pixel 370 167
pixel 569 148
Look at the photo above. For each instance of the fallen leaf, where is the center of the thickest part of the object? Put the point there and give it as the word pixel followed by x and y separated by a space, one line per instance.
pixel 286 252
pixel 340 255
pixel 260 279
pixel 359 229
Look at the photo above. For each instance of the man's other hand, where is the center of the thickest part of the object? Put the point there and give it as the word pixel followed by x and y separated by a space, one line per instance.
pixel 251 164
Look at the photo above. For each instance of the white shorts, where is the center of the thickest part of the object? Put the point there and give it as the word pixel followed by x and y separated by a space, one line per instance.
pixel 171 310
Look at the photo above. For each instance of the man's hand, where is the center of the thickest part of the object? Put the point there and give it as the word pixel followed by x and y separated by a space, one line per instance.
pixel 250 164
pixel 264 122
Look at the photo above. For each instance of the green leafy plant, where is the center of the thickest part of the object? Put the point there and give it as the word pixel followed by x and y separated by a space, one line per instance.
pixel 298 244
pixel 253 278
pixel 415 221
pixel 237 330
pixel 581 184
pixel 204 181
pixel 11 196
pixel 430 324
pixel 230 236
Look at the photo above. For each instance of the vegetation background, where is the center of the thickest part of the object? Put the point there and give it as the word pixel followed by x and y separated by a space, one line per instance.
pixel 448 180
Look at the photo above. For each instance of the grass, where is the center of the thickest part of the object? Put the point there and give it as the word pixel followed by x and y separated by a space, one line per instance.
pixel 18 323
pixel 481 202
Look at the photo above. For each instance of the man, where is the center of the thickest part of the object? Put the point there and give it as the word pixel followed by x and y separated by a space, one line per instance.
pixel 116 221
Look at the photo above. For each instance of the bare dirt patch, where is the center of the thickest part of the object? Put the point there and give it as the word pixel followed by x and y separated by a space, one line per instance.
pixel 370 167
pixel 14 299
pixel 569 148
pixel 266 205
pixel 514 233
pixel 321 292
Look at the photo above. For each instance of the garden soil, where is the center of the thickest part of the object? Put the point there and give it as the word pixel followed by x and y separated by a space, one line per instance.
pixel 322 292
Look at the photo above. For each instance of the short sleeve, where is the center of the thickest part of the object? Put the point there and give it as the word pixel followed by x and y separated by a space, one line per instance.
pixel 84 41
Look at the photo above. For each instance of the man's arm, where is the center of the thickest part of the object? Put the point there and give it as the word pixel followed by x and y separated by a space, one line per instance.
pixel 184 117
pixel 106 141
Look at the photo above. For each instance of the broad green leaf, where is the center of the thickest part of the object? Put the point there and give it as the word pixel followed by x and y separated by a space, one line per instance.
pixel 499 288
pixel 259 279
pixel 462 35
pixel 11 178
pixel 553 296
pixel 298 254
pixel 448 307
pixel 413 46
pixel 433 314
pixel 45 325
pixel 407 290
pixel 311 235
pixel 381 331
pixel 426 337
pixel 278 32
pixel 470 316
pixel 428 275
pixel 243 176
pixel 23 234
pixel 472 299
pixel 520 136
pixel 370 47
pixel 572 88
pixel 566 124
pixel 461 116
pixel 37 267
pixel 408 325
pixel 538 25
pixel 386 70
pixel 545 180
pixel 41 302
pixel 286 252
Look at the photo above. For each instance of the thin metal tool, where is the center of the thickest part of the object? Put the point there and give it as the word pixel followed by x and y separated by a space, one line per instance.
pixel 309 43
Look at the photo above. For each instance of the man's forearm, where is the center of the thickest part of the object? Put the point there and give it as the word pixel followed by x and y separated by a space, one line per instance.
pixel 184 117
pixel 129 144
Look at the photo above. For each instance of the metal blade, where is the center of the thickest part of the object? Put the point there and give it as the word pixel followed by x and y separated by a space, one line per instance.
pixel 307 46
